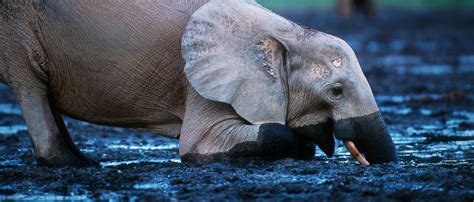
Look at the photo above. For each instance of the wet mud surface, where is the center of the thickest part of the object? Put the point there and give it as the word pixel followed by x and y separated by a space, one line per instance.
pixel 421 69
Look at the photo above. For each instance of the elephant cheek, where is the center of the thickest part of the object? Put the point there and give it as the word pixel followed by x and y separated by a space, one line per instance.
pixel 370 135
pixel 321 134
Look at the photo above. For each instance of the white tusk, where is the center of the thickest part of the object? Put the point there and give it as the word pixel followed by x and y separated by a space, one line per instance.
pixel 355 153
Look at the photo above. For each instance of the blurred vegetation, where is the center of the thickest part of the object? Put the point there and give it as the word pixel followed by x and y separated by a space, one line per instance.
pixel 437 4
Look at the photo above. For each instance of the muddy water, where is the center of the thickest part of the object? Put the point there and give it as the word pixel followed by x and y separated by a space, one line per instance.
pixel 421 69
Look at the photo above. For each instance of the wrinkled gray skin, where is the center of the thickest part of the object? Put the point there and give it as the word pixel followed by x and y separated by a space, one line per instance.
pixel 249 76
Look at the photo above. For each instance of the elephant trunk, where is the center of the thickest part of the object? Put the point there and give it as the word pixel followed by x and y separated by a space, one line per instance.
pixel 369 135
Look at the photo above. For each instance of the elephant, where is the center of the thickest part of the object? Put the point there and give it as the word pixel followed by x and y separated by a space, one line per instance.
pixel 229 79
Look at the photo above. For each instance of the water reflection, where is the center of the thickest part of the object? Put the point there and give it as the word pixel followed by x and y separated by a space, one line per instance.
pixel 399 99
pixel 157 160
pixel 7 108
pixel 48 197
pixel 425 70
pixel 144 147
pixel 12 129
pixel 12 162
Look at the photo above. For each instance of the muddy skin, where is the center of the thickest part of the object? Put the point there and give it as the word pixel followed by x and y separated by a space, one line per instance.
pixel 321 134
pixel 420 67
pixel 277 141
pixel 274 141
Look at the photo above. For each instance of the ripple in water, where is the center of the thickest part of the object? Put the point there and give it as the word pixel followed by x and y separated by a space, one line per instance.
pixel 157 160
pixel 6 108
pixel 145 147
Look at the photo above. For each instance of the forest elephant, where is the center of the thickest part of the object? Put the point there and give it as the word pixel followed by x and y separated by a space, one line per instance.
pixel 228 78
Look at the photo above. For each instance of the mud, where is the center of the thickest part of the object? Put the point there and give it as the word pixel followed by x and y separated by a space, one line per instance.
pixel 421 68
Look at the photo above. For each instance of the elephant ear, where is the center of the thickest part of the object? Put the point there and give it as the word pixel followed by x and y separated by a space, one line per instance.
pixel 233 57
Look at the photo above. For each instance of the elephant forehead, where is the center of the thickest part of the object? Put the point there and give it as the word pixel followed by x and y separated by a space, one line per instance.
pixel 318 70
pixel 337 62
pixel 336 55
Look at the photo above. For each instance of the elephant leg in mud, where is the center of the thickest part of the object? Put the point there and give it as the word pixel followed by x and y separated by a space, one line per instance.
pixel 49 136
pixel 51 141
pixel 213 130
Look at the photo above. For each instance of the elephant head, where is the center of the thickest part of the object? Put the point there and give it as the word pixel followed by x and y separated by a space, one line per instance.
pixel 271 70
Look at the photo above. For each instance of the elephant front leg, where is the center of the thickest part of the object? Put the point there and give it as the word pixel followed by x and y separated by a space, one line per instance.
pixel 273 141
pixel 213 131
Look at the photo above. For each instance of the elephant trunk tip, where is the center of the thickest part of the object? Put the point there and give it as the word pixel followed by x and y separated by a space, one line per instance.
pixel 367 139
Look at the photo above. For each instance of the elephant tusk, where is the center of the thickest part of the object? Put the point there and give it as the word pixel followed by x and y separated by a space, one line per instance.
pixel 355 153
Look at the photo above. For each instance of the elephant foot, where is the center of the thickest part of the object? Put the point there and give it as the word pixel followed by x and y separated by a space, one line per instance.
pixel 64 161
pixel 65 157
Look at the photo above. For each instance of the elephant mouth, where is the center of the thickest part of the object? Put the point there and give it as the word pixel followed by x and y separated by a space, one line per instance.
pixel 322 134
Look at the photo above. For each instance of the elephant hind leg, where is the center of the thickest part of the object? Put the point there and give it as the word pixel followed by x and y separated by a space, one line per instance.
pixel 51 141
pixel 24 66
pixel 80 159
pixel 52 144
pixel 22 63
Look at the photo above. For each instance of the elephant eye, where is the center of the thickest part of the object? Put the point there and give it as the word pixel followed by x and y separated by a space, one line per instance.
pixel 337 92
